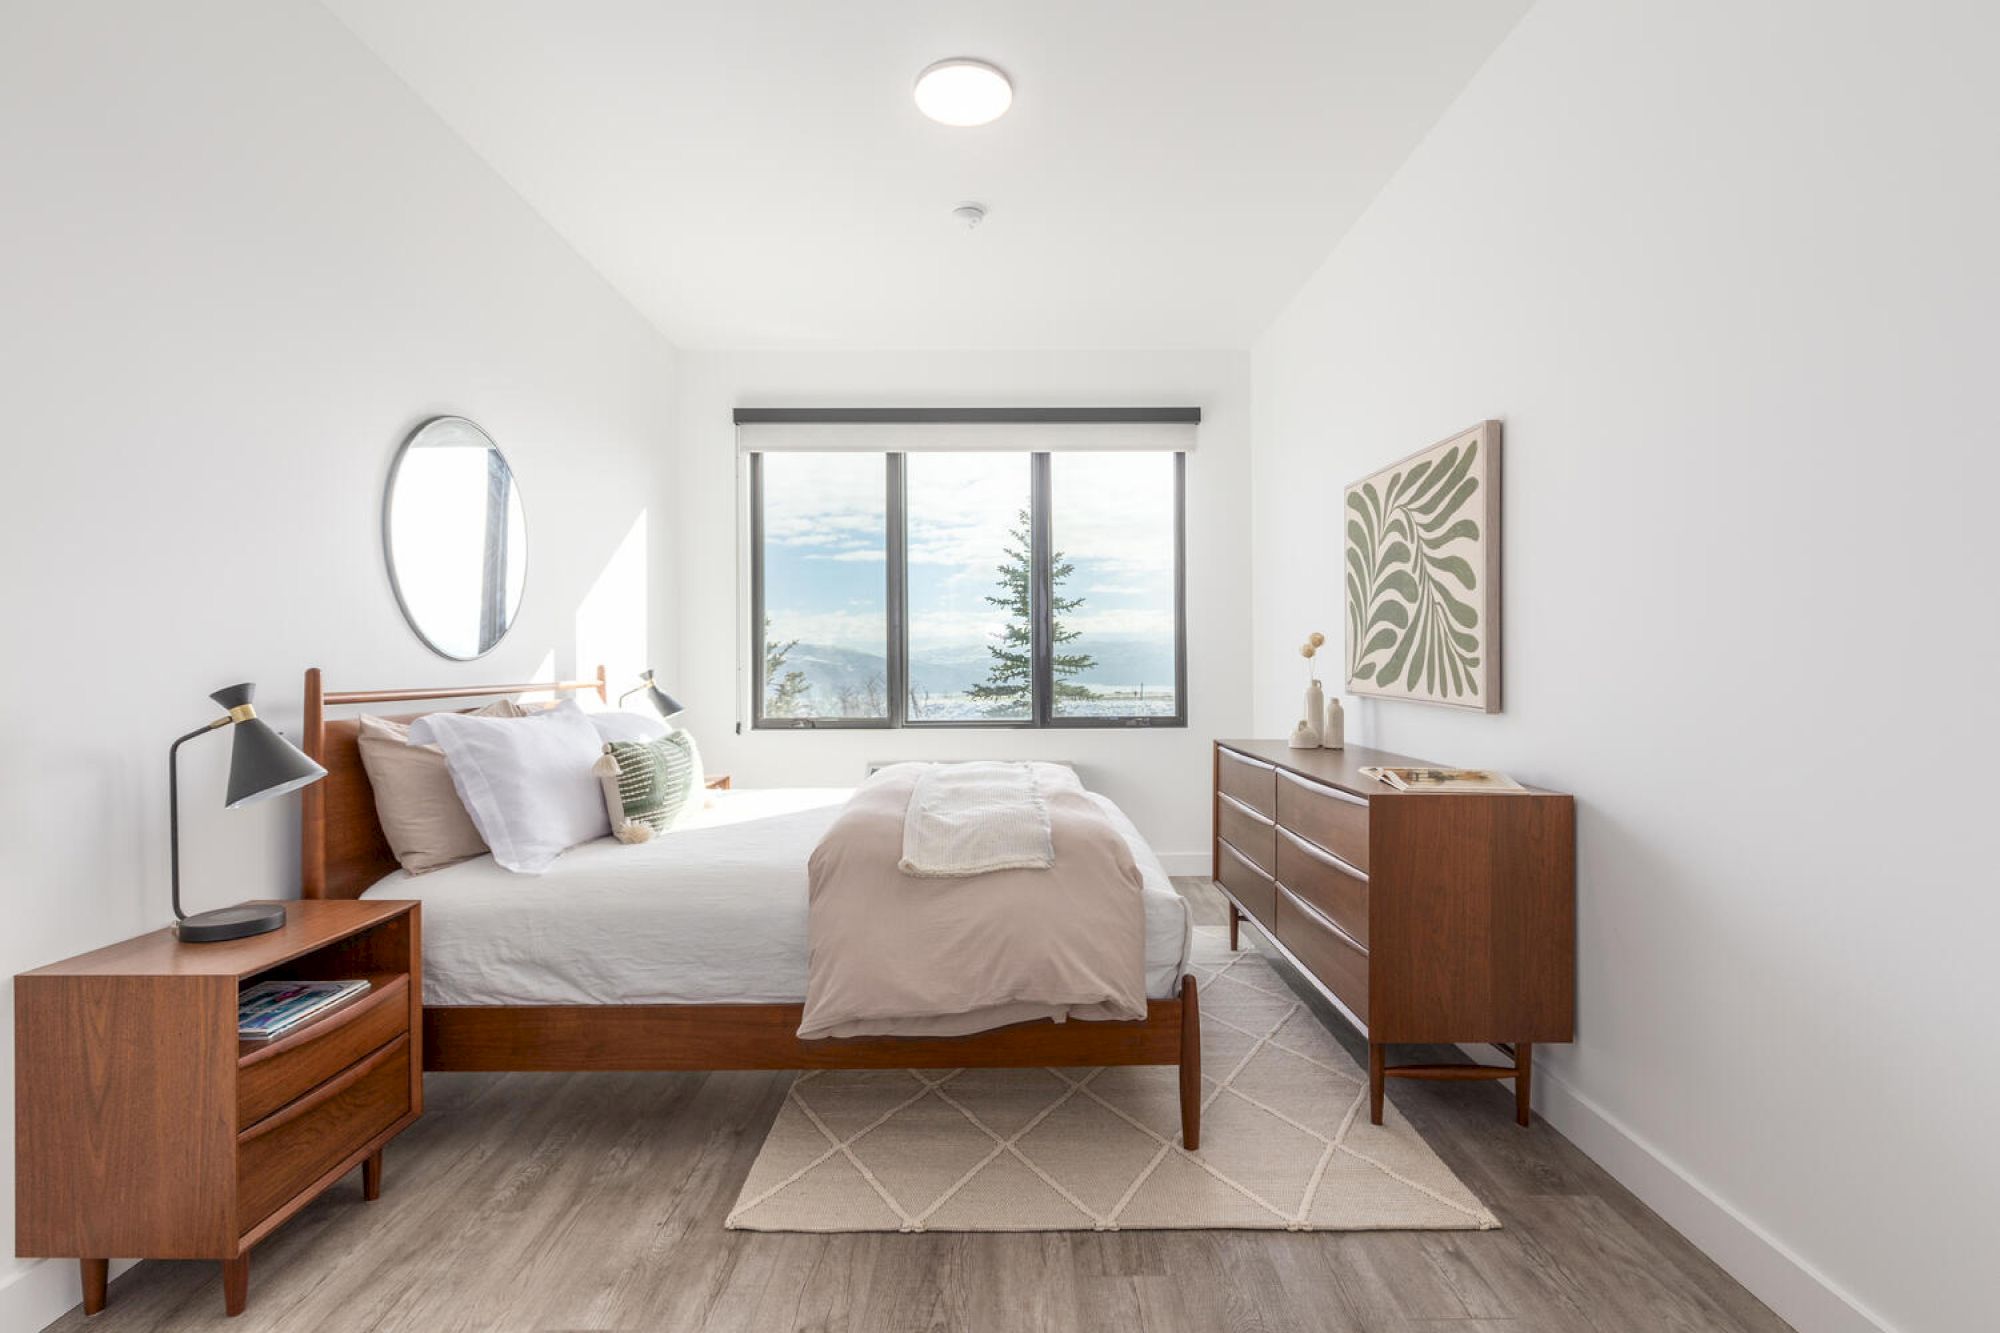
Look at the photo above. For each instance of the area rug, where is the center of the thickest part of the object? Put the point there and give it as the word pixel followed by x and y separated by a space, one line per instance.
pixel 1286 1143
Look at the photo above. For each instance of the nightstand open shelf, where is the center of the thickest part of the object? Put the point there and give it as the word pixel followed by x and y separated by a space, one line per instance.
pixel 145 1127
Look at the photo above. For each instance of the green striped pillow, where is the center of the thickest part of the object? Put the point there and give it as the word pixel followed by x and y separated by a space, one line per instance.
pixel 647 784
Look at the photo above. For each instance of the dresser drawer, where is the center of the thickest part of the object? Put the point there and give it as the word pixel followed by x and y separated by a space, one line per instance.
pixel 1248 885
pixel 286 1152
pixel 1249 781
pixel 1333 819
pixel 1339 963
pixel 1249 833
pixel 294 1064
pixel 1340 895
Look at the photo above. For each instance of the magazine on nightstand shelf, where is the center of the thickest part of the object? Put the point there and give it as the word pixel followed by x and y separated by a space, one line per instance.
pixel 273 1007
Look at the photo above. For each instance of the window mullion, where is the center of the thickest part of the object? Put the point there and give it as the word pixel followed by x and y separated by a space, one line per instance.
pixel 1042 594
pixel 898 591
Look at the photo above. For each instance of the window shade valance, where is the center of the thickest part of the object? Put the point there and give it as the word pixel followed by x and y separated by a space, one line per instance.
pixel 997 429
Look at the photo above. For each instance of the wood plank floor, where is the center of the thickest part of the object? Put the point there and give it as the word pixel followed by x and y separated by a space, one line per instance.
pixel 595 1201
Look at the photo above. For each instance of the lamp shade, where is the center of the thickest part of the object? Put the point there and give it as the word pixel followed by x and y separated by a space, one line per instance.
pixel 262 763
pixel 666 703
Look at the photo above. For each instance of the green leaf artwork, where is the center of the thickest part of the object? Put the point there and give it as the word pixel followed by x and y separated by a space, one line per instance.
pixel 1422 611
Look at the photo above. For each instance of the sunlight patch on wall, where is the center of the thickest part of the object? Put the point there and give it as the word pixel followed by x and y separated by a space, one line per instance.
pixel 611 623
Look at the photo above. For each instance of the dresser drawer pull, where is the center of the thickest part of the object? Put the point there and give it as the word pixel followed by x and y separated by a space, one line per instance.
pixel 1319 853
pixel 1319 918
pixel 1242 807
pixel 333 1087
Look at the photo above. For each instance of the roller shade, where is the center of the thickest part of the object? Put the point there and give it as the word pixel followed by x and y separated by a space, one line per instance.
pixel 934 430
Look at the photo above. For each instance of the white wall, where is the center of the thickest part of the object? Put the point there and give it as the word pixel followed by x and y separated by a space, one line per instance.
pixel 238 261
pixel 1727 273
pixel 1160 776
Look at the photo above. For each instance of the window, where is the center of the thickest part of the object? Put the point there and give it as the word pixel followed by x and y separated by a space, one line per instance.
pixel 967 588
pixel 824 644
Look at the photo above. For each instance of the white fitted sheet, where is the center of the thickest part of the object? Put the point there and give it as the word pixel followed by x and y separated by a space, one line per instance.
pixel 713 912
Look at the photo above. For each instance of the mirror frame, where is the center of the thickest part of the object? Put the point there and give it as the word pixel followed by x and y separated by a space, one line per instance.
pixel 388 537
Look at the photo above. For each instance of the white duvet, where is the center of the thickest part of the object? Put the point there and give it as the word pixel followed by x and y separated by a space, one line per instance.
pixel 713 912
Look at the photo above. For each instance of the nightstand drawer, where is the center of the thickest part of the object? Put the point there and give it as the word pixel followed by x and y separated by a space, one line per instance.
pixel 296 1063
pixel 279 1157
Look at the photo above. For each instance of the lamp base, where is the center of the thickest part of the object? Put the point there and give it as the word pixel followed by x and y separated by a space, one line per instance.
pixel 231 923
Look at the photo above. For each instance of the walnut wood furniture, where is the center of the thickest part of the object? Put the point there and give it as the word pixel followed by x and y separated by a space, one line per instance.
pixel 345 853
pixel 143 1127
pixel 1422 916
pixel 717 782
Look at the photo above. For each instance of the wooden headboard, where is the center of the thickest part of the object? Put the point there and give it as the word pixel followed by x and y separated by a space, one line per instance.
pixel 341 848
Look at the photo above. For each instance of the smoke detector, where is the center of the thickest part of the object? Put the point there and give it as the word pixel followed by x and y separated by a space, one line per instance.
pixel 969 215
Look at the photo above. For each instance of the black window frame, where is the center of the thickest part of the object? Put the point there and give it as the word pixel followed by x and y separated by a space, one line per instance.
pixel 896 586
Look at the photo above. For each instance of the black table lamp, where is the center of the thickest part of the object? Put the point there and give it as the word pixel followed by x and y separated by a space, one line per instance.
pixel 669 706
pixel 263 763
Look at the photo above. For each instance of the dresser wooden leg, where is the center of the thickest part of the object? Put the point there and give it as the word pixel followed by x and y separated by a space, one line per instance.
pixel 96 1273
pixel 1235 920
pixel 236 1283
pixel 1376 1078
pixel 1524 1072
pixel 371 1176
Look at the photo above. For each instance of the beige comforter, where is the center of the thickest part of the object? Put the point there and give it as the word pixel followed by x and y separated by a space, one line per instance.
pixel 894 954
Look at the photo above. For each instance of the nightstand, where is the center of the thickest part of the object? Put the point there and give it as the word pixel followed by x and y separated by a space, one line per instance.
pixel 144 1127
pixel 717 782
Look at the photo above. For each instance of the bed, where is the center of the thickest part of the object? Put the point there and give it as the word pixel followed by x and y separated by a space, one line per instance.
pixel 591 967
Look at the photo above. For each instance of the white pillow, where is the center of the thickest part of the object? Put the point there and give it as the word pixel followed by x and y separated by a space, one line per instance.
pixel 628 726
pixel 526 781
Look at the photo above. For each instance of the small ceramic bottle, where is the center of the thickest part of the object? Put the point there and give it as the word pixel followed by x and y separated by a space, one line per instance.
pixel 1315 706
pixel 1303 737
pixel 1333 731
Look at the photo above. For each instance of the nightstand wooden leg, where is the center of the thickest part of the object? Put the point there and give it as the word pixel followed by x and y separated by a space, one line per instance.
pixel 96 1273
pixel 1524 1072
pixel 1235 919
pixel 1376 1078
pixel 371 1176
pixel 236 1283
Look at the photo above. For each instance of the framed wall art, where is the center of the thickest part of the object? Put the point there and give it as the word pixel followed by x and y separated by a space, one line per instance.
pixel 1423 575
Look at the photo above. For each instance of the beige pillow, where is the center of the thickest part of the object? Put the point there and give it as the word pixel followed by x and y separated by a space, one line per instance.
pixel 422 818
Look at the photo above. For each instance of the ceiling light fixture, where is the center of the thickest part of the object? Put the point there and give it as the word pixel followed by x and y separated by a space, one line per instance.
pixel 963 92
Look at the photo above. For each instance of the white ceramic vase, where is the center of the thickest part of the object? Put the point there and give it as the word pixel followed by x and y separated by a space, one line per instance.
pixel 1315 709
pixel 1333 729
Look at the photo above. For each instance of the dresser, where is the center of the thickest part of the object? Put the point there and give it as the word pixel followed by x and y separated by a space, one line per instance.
pixel 1422 917
pixel 144 1127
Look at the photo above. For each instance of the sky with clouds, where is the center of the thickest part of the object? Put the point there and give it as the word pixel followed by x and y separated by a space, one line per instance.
pixel 825 560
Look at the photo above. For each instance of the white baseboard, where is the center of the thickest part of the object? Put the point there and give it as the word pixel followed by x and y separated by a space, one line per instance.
pixel 44 1292
pixel 1801 1295
pixel 1186 863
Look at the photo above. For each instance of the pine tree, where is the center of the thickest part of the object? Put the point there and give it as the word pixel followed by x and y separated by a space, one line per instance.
pixel 1010 680
pixel 782 694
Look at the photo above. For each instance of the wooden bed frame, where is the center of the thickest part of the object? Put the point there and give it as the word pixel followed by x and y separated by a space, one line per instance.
pixel 344 853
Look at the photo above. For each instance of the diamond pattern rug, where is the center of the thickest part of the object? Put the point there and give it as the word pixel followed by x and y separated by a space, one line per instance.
pixel 1286 1143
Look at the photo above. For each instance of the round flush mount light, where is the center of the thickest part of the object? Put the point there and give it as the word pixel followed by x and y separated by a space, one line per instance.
pixel 963 92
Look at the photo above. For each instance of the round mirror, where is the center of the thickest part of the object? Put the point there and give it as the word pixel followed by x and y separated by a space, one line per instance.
pixel 456 540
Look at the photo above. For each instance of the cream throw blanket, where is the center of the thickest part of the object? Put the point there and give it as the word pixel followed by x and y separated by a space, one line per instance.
pixel 973 819
pixel 889 953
